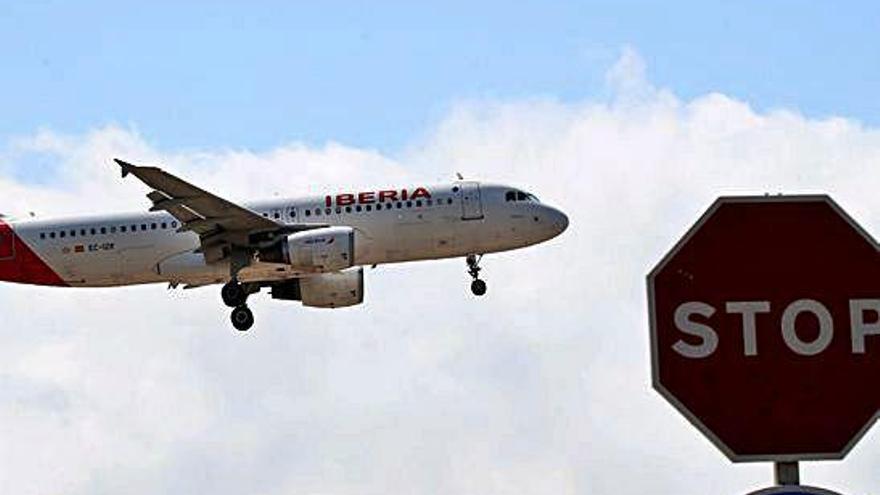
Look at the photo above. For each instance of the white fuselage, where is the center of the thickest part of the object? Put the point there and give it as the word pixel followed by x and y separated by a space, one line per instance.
pixel 452 220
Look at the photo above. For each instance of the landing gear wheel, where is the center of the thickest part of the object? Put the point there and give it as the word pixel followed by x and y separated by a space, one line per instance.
pixel 233 294
pixel 478 287
pixel 242 318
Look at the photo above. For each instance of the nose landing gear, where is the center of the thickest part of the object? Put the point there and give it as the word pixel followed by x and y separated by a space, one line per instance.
pixel 478 286
pixel 235 295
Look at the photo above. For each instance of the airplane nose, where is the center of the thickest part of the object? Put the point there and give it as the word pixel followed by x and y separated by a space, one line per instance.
pixel 557 221
pixel 561 221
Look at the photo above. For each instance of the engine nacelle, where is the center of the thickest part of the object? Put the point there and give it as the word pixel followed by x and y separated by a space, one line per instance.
pixel 327 249
pixel 327 290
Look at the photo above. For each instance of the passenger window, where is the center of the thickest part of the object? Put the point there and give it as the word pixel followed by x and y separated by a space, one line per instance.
pixel 93 231
pixel 409 204
pixel 369 208
pixel 308 213
pixel 82 232
pixel 387 206
pixel 42 235
pixel 449 201
pixel 265 214
pixel 455 189
pixel 399 205
pixel 510 196
pixel 277 215
pixel 348 209
pixel 52 235
pixel 338 210
pixel 164 225
pixel 317 212
pixel 521 196
pixel 153 226
pixel 174 225
pixel 112 230
pixel 73 233
pixel 103 230
pixel 418 202
pixel 143 226
pixel 327 211
pixel 122 229
pixel 358 208
pixel 430 202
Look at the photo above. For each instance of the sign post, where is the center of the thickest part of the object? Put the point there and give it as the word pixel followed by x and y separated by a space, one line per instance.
pixel 765 321
pixel 787 473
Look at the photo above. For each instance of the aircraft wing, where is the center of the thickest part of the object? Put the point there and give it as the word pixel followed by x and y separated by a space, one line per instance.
pixel 222 225
pixel 197 209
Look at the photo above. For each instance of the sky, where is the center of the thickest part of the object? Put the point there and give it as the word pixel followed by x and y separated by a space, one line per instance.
pixel 631 118
pixel 378 74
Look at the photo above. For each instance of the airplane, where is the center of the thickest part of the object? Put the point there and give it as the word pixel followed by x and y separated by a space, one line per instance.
pixel 312 250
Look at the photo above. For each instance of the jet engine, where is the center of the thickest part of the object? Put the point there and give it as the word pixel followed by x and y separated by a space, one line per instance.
pixel 327 290
pixel 327 249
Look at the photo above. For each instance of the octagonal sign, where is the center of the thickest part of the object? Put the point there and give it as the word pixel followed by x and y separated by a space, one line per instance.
pixel 765 328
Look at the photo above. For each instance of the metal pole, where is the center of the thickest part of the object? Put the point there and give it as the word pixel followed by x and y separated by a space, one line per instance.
pixel 787 473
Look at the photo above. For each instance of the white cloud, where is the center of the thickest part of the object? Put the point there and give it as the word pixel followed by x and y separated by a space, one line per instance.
pixel 541 387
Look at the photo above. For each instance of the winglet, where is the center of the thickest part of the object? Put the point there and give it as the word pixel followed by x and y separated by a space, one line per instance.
pixel 126 167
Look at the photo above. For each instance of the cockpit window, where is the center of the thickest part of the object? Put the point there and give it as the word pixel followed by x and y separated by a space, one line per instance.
pixel 520 196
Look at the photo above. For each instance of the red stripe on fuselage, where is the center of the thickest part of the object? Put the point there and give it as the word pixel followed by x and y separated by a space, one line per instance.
pixel 19 263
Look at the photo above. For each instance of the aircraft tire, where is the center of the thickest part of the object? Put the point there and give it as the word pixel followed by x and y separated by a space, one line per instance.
pixel 233 294
pixel 478 287
pixel 242 318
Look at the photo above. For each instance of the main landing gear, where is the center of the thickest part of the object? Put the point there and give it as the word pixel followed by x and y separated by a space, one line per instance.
pixel 478 287
pixel 242 318
pixel 235 295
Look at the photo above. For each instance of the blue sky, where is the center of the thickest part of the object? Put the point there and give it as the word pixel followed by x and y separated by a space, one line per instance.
pixel 191 75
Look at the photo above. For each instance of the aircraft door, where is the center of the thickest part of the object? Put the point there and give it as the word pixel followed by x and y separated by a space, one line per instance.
pixel 471 202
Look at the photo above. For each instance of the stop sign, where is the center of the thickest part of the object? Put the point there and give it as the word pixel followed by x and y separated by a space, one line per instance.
pixel 765 328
